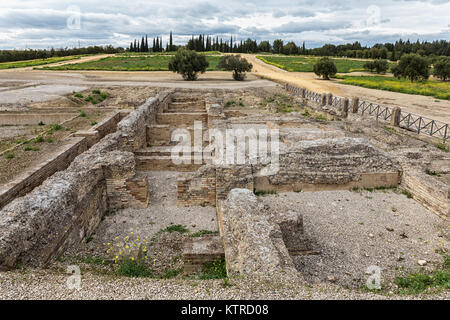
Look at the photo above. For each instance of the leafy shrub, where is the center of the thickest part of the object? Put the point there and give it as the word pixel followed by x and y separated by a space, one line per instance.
pixel 214 270
pixel 442 68
pixel 237 64
pixel 10 155
pixel 412 67
pixel 188 63
pixel 135 269
pixel 325 68
pixel 378 65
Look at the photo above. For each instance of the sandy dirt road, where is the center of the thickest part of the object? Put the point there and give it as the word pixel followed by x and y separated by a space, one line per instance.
pixel 421 105
pixel 32 85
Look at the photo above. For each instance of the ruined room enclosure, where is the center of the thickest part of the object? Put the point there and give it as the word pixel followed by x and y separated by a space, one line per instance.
pixel 336 206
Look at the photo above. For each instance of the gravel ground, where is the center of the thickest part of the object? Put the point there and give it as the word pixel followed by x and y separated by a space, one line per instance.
pixel 355 230
pixel 44 284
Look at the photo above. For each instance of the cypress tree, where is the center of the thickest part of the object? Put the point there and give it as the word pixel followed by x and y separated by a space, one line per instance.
pixel 231 44
pixel 170 42
pixel 142 44
pixel 146 43
pixel 160 45
pixel 135 45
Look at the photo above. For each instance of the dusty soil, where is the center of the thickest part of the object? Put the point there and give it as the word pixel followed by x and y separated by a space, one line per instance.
pixel 351 231
pixel 23 160
pixel 422 105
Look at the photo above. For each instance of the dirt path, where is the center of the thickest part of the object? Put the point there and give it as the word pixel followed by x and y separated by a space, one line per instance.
pixel 422 105
pixel 57 64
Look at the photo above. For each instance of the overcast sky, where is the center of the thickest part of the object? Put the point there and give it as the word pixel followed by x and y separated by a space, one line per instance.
pixel 56 23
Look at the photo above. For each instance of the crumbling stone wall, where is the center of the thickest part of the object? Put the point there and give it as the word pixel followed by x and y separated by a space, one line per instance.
pixel 68 206
pixel 255 237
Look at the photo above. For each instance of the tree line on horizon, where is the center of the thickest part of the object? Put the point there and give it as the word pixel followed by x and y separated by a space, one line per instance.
pixel 202 43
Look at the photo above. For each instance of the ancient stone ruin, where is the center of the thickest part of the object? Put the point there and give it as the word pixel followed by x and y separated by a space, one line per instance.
pixel 109 173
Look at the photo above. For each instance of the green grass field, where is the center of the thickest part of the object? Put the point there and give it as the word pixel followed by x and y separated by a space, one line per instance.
pixel 33 63
pixel 437 89
pixel 306 64
pixel 146 62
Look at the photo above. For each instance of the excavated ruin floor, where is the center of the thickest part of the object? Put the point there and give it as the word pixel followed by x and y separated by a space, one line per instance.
pixel 351 230
pixel 161 216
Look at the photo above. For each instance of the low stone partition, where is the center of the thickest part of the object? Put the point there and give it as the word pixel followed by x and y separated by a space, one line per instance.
pixel 428 191
pixel 34 176
pixel 107 126
pixel 309 165
pixel 23 119
pixel 68 206
pixel 198 251
pixel 197 189
pixel 257 240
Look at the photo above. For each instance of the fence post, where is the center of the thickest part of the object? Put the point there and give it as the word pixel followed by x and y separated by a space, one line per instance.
pixel 395 119
pixel 323 101
pixel 303 93
pixel 355 105
pixel 329 99
pixel 344 110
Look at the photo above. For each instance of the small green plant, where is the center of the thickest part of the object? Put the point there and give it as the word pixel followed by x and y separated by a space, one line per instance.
pixel 175 228
pixel 96 91
pixel 49 140
pixel 78 95
pixel 442 146
pixel 39 139
pixel 214 270
pixel 406 193
pixel 93 123
pixel 321 117
pixel 82 113
pixel 432 173
pixel 203 233
pixel 134 269
pixel 263 193
pixel 31 149
pixel 171 273
pixel 10 155
pixel 54 127
pixel 41 123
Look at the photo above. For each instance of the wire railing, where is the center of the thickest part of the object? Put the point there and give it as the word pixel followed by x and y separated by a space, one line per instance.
pixel 409 121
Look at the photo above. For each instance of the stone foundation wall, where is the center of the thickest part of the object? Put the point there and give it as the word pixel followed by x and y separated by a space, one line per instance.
pixel 68 206
pixel 198 189
pixel 429 192
pixel 36 175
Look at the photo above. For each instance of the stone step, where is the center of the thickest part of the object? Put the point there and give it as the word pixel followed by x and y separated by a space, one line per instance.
pixel 188 104
pixel 165 163
pixel 198 251
pixel 160 151
pixel 181 118
pixel 192 109
pixel 160 134
pixel 186 99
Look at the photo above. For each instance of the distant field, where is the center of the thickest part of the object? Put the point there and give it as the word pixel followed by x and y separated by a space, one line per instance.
pixel 170 53
pixel 437 89
pixel 37 62
pixel 306 64
pixel 143 62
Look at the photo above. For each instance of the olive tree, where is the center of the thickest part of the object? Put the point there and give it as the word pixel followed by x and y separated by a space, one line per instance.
pixel 237 64
pixel 325 68
pixel 412 67
pixel 442 68
pixel 378 65
pixel 188 63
